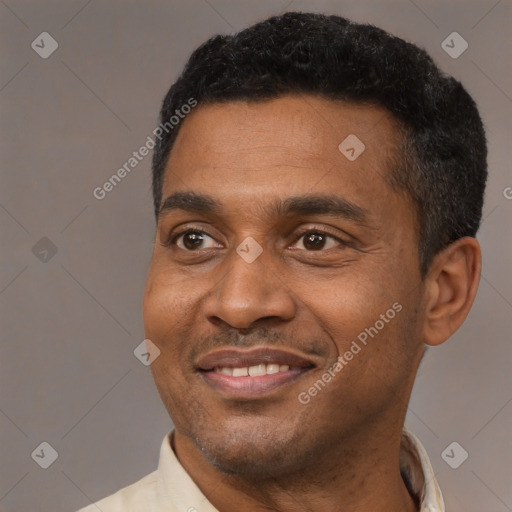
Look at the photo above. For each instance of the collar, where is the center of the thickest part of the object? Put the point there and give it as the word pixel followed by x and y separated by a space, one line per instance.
pixel 177 491
pixel 418 474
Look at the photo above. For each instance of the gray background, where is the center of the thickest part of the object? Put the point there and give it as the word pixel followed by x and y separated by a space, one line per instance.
pixel 70 324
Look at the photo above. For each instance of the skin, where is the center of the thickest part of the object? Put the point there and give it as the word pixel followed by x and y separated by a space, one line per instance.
pixel 340 451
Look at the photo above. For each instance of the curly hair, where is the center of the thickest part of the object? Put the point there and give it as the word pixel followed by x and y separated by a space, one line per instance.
pixel 441 161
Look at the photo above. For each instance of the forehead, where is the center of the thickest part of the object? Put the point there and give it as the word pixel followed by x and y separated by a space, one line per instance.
pixel 302 126
pixel 247 151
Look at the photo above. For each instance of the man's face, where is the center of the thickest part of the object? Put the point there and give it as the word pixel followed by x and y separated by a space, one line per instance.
pixel 294 253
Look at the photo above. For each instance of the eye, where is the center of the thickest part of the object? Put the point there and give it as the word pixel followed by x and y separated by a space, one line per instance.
pixel 193 239
pixel 315 240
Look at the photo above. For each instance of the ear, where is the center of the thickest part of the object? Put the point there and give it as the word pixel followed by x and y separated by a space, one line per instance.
pixel 451 286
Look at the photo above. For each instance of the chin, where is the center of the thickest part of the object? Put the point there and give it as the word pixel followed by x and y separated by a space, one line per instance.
pixel 250 460
pixel 257 451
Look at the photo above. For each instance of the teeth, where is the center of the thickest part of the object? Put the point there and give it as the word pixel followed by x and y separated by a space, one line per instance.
pixel 272 368
pixel 253 371
pixel 258 370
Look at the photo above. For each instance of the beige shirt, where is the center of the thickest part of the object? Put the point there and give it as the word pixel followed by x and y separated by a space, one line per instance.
pixel 170 488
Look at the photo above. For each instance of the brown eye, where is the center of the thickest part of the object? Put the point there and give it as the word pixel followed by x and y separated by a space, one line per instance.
pixel 314 241
pixel 317 241
pixel 193 240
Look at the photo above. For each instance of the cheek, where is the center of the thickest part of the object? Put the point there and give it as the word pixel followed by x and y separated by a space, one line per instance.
pixel 348 302
pixel 369 324
pixel 164 314
pixel 168 299
pixel 165 324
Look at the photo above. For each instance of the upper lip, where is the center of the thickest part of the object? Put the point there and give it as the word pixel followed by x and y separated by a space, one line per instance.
pixel 236 358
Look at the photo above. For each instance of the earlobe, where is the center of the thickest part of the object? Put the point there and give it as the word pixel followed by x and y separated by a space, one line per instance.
pixel 451 287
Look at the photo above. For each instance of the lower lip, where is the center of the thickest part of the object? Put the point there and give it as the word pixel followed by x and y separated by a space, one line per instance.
pixel 251 387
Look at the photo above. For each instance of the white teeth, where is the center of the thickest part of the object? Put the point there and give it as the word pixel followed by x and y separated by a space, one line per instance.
pixel 272 368
pixel 240 372
pixel 257 370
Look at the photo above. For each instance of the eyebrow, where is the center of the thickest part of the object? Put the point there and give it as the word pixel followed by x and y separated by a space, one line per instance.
pixel 306 205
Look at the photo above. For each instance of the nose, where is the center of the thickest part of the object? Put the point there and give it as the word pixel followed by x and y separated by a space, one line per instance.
pixel 248 292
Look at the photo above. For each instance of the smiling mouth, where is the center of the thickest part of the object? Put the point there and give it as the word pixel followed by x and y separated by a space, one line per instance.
pixel 247 375
pixel 253 371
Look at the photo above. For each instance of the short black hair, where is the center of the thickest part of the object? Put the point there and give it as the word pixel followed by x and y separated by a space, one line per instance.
pixel 441 163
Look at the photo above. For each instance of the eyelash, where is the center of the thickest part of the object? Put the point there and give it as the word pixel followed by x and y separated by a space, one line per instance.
pixel 319 231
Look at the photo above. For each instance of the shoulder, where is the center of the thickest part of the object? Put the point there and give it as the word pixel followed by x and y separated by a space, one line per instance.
pixel 134 497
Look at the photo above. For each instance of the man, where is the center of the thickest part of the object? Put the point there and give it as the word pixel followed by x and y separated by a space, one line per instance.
pixel 317 197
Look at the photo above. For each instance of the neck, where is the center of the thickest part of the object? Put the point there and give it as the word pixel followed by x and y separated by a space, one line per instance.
pixel 360 473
